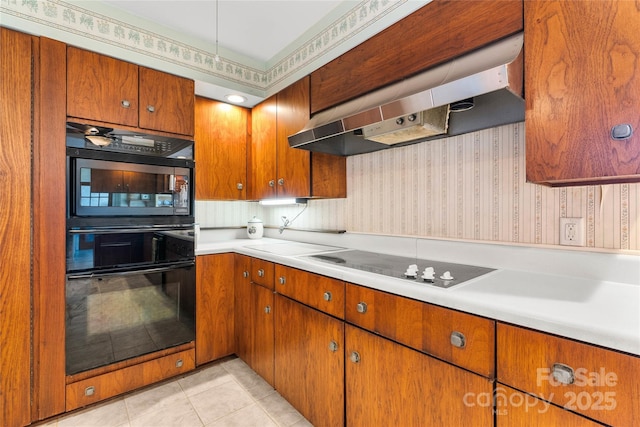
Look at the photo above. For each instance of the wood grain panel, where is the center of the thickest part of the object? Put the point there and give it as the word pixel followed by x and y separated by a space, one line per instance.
pixel 311 289
pixel 262 152
pixel 172 98
pixel 293 165
pixel 328 176
pixel 129 378
pixel 49 170
pixel 221 142
pixel 262 329
pixel 242 312
pixel 516 409
pixel 582 79
pixel 16 87
pixel 263 273
pixel 425 327
pixel 309 374
pixel 605 388
pixel 393 385
pixel 438 32
pixel 215 333
pixel 96 86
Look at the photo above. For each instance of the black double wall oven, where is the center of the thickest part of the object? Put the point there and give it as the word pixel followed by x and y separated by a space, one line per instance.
pixel 130 285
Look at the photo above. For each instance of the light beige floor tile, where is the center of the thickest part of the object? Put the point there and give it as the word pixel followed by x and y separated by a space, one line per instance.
pixel 251 416
pixel 220 401
pixel 154 399
pixel 205 379
pixel 260 390
pixel 302 423
pixel 280 410
pixel 112 414
pixel 180 413
pixel 246 376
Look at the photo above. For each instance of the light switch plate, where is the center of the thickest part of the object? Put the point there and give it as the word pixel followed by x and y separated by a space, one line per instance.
pixel 572 231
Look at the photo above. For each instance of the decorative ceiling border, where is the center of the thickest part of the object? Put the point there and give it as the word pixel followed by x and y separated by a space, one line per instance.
pixel 86 23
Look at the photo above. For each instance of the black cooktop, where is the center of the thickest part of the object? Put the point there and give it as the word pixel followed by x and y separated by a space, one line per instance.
pixel 396 266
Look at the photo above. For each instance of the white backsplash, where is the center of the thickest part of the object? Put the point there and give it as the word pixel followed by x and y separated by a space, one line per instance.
pixel 469 187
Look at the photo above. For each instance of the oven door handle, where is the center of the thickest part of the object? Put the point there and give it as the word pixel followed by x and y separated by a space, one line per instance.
pixel 130 272
pixel 113 230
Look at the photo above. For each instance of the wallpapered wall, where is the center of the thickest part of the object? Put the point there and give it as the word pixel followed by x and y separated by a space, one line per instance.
pixel 466 187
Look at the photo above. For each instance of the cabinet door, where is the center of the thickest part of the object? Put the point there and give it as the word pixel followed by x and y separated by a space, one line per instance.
pixel 262 153
pixel 242 312
pixel 581 81
pixel 293 165
pixel 262 351
pixel 389 384
pixel 101 88
pixel 166 102
pixel 310 362
pixel 214 307
pixel 221 150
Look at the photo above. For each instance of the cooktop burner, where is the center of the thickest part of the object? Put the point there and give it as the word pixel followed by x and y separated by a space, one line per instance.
pixel 433 273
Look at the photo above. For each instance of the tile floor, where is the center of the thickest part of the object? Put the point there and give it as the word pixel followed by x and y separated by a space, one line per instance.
pixel 227 393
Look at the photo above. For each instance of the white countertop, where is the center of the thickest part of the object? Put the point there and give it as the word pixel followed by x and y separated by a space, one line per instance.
pixel 601 312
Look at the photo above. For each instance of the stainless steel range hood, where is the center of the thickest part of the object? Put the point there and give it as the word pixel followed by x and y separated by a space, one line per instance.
pixel 477 91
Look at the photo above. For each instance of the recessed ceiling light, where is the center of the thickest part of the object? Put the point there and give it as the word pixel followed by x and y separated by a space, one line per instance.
pixel 236 99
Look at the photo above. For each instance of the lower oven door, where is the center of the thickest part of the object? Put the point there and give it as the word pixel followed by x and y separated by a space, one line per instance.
pixel 116 316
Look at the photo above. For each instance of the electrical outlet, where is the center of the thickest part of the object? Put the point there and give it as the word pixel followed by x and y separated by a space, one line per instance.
pixel 572 231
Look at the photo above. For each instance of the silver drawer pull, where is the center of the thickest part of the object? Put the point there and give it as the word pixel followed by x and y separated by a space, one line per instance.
pixel 90 391
pixel 272 183
pixel 239 186
pixel 355 357
pixel 179 363
pixel 261 273
pixel 361 307
pixel 327 296
pixel 125 103
pixel 151 108
pixel 245 274
pixel 333 346
pixel 458 339
pixel 267 309
pixel 282 280
pixel 563 373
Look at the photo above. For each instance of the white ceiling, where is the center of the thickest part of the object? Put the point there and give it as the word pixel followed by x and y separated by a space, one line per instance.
pixel 257 29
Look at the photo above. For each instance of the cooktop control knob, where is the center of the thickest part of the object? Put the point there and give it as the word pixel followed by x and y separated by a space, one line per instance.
pixel 428 275
pixel 412 271
pixel 446 276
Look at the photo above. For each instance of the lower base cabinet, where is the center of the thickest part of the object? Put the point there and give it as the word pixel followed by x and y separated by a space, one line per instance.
pixel 309 361
pixel 389 384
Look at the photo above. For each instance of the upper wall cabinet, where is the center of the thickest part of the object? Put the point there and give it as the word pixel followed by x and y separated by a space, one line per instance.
pixel 582 91
pixel 276 169
pixel 108 90
pixel 434 34
pixel 221 139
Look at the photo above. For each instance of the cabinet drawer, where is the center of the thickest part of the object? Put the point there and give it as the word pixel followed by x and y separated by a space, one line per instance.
pixel 460 338
pixel 262 273
pixel 104 386
pixel 601 384
pixel 320 292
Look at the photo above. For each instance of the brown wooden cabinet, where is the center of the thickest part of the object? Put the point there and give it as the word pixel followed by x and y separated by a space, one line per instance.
pixel 389 384
pixel 425 327
pixel 215 329
pixel 254 308
pixel 276 169
pixel 598 383
pixel 309 362
pixel 222 135
pixel 582 81
pixel 107 90
pixel 432 35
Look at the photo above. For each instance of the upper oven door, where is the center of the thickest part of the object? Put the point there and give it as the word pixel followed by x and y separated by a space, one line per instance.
pixel 111 188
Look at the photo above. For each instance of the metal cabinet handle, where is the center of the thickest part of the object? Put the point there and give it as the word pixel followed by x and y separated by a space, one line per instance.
pixel 621 132
pixel 245 274
pixel 361 307
pixel 355 357
pixel 281 181
pixel 563 373
pixel 282 280
pixel 261 273
pixel 151 108
pixel 267 309
pixel 333 346
pixel 272 183
pixel 179 363
pixel 89 391
pixel 458 339
pixel 327 296
pixel 125 103
pixel 239 186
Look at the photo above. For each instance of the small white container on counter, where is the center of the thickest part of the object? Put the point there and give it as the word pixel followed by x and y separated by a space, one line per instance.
pixel 255 228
